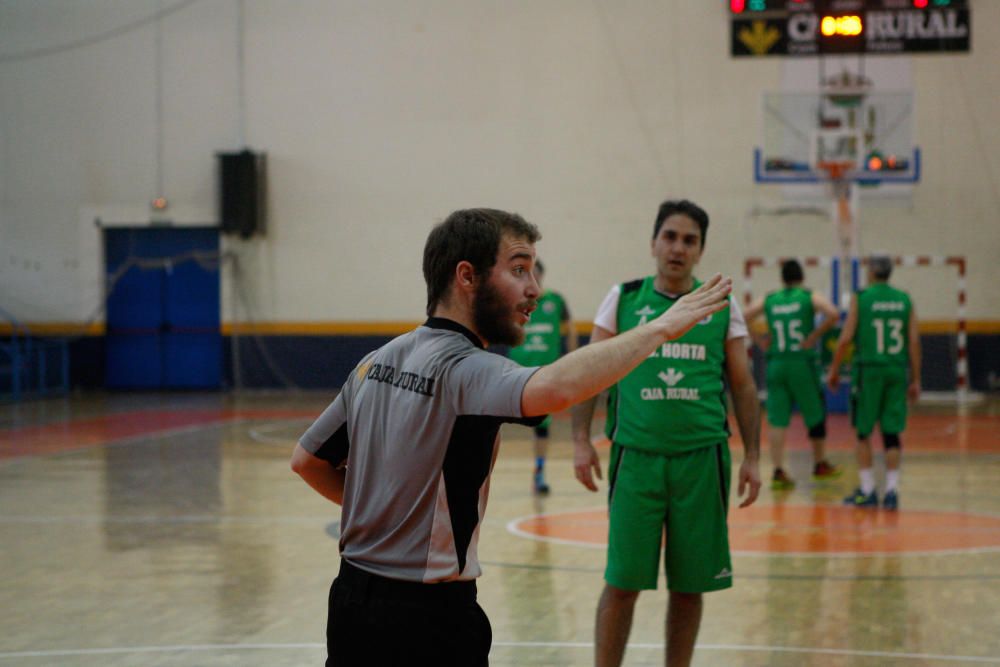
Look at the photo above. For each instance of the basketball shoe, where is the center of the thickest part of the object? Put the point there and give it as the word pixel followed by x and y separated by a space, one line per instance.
pixel 780 481
pixel 825 470
pixel 860 499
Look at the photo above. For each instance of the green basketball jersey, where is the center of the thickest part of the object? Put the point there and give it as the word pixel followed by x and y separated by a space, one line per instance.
pixel 543 338
pixel 882 336
pixel 673 401
pixel 790 319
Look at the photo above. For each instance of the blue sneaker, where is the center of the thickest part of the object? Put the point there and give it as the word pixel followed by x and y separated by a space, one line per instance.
pixel 859 499
pixel 541 488
pixel 890 501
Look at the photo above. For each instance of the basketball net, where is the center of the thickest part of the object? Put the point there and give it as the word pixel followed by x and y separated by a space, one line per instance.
pixel 845 229
pixel 843 213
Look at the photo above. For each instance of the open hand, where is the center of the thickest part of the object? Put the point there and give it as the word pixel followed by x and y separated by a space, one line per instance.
pixel 710 297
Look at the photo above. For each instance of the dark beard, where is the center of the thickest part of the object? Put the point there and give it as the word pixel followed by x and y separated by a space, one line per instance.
pixel 492 318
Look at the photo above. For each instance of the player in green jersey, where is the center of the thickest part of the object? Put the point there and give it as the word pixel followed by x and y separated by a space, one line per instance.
pixel 883 325
pixel 543 344
pixel 793 375
pixel 670 463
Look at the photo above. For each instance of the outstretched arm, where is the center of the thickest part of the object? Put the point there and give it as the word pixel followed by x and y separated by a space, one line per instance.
pixel 586 372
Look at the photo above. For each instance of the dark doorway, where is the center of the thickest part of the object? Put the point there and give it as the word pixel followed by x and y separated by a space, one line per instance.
pixel 163 308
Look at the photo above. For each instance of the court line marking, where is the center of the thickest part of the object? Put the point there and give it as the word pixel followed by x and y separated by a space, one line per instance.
pixel 514 530
pixel 146 438
pixel 509 644
pixel 261 433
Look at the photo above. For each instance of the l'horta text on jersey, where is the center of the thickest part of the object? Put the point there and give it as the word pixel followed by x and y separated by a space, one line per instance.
pixel 679 351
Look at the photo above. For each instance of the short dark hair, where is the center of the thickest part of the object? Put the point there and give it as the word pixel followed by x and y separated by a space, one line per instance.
pixel 688 208
pixel 791 272
pixel 471 235
pixel 881 266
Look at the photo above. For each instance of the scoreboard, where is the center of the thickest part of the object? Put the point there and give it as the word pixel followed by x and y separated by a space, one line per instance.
pixel 821 27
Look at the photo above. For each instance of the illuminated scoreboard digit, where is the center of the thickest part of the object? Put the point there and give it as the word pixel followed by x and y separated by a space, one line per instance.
pixel 816 27
pixel 841 26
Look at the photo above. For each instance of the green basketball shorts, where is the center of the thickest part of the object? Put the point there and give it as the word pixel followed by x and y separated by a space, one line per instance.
pixel 794 381
pixel 676 502
pixel 878 396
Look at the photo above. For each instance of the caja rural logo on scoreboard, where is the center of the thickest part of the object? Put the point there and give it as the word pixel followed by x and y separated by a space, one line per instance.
pixel 851 26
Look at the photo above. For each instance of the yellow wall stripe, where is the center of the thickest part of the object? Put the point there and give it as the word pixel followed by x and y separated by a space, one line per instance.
pixel 56 329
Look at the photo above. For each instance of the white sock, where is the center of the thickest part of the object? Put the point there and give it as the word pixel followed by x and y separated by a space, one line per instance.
pixel 891 480
pixel 867 476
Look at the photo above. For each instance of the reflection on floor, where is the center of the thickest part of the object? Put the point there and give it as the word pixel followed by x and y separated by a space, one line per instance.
pixel 168 530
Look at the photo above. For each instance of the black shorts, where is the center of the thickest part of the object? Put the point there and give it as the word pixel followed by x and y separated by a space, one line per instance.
pixel 376 621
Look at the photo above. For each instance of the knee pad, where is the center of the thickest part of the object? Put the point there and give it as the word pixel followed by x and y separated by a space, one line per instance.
pixel 891 441
pixel 818 431
pixel 542 431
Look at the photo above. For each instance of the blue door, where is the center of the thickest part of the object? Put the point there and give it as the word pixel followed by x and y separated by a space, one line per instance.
pixel 162 308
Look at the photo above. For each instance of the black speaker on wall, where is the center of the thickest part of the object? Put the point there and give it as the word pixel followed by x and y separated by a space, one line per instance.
pixel 241 192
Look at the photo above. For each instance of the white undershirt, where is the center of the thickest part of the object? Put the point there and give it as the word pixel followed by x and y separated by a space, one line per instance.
pixel 607 314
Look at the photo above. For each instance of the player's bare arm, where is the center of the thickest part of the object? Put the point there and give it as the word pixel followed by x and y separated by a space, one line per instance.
pixel 830 316
pixel 586 463
pixel 747 409
pixel 846 336
pixel 324 478
pixel 754 310
pixel 758 330
pixel 913 391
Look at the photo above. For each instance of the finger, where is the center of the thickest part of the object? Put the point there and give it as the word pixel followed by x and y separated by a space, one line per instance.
pixel 710 283
pixel 754 492
pixel 597 469
pixel 706 306
pixel 715 300
pixel 715 307
pixel 711 290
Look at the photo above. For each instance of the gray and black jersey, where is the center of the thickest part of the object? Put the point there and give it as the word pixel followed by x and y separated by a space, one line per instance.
pixel 417 424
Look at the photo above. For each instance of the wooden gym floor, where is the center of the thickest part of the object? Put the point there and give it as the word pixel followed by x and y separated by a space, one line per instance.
pixel 168 530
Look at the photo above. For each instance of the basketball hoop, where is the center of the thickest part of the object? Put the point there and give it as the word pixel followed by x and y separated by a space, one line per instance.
pixel 836 169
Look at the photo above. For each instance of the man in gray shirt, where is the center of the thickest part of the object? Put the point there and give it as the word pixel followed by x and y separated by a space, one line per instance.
pixel 408 445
